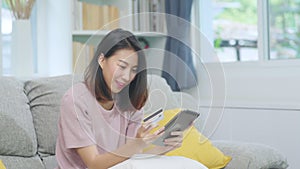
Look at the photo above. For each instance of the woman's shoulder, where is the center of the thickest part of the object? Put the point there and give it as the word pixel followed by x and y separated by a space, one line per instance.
pixel 78 90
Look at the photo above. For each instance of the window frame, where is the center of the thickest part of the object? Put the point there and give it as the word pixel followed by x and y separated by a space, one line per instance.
pixel 201 11
pixel 264 40
pixel 259 84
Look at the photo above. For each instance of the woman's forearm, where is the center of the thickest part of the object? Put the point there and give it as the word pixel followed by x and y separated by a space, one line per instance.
pixel 93 160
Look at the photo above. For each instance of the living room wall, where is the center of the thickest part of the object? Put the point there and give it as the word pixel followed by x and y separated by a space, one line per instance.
pixel 54 28
pixel 261 105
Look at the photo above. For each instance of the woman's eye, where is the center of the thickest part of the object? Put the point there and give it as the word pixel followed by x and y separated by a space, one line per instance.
pixel 122 66
pixel 134 70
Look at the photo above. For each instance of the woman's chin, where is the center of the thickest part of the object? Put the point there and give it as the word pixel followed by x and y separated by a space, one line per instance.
pixel 117 90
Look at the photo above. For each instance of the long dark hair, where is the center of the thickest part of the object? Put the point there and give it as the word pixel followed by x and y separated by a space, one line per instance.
pixel 134 95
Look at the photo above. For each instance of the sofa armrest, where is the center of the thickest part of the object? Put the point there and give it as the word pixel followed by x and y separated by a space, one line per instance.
pixel 251 155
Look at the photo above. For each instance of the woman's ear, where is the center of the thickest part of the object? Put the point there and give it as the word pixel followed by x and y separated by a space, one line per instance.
pixel 100 60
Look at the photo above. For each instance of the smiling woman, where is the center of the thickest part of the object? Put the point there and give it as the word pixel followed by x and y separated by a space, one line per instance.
pixel 118 66
pixel 100 123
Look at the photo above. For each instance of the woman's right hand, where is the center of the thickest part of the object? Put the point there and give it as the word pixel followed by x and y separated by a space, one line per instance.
pixel 144 135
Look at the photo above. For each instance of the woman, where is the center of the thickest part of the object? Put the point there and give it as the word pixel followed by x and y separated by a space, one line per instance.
pixel 100 122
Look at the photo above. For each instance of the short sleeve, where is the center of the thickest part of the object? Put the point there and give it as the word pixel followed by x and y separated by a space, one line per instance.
pixel 75 124
pixel 135 123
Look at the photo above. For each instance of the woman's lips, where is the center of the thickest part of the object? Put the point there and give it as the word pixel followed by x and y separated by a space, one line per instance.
pixel 120 84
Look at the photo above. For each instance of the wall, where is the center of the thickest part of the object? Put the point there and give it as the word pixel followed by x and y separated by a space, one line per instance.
pixel 54 28
pixel 262 105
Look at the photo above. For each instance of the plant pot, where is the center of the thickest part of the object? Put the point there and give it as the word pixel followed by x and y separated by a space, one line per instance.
pixel 22 54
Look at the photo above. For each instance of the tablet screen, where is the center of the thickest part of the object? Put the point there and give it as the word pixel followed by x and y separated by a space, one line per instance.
pixel 180 122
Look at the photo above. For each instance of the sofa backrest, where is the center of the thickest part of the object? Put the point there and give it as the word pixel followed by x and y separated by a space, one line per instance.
pixel 162 96
pixel 17 135
pixel 44 97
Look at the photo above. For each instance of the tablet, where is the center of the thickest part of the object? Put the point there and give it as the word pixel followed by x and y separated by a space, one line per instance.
pixel 178 123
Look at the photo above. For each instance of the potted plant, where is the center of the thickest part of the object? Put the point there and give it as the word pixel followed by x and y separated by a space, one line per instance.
pixel 21 9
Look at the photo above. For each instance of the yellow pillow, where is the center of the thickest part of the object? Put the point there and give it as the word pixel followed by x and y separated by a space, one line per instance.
pixel 196 146
pixel 2 165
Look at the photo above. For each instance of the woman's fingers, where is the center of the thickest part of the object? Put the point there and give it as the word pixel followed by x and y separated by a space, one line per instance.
pixel 173 139
pixel 176 140
pixel 145 129
pixel 146 124
pixel 150 127
pixel 177 133
pixel 159 131
pixel 144 133
pixel 156 134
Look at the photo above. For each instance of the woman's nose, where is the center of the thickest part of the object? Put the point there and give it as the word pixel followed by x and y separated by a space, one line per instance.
pixel 126 75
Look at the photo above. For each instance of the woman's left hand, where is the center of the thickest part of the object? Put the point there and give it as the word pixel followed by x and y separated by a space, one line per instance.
pixel 170 144
pixel 175 141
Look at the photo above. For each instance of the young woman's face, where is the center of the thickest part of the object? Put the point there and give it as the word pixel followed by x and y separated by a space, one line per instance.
pixel 119 69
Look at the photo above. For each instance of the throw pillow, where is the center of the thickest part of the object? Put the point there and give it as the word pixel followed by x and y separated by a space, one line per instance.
pixel 2 165
pixel 196 146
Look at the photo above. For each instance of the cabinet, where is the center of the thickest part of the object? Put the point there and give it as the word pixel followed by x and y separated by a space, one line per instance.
pixel 93 19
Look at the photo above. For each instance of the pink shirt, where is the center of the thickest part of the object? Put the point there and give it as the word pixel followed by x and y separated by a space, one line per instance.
pixel 84 122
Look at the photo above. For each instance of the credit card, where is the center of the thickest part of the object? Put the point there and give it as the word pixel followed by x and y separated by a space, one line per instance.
pixel 155 117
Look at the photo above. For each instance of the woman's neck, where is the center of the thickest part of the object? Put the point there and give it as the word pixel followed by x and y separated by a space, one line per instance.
pixel 107 105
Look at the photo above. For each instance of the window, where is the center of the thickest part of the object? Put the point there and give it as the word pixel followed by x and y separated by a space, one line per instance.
pixel 244 30
pixel 267 78
pixel 235 30
pixel 6 29
pixel 284 29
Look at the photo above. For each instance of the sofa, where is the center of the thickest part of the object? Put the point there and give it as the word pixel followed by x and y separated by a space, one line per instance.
pixel 29 110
